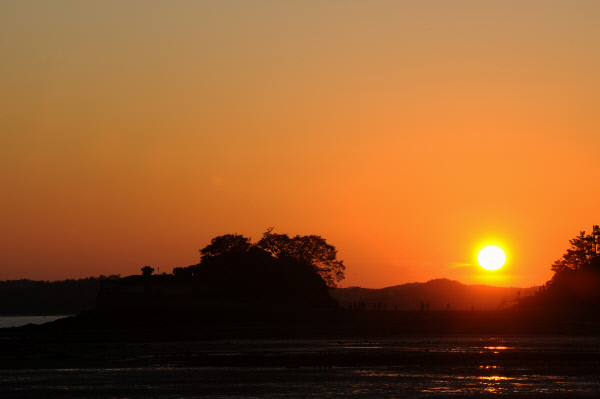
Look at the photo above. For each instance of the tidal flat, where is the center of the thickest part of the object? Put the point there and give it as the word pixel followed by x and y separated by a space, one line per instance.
pixel 426 366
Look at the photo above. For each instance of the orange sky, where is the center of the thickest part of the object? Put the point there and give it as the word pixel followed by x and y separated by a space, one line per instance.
pixel 408 134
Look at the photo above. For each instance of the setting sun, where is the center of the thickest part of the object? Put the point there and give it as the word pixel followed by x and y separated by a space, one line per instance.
pixel 491 258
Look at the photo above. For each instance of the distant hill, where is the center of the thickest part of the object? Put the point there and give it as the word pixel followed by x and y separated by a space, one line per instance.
pixel 438 293
pixel 73 296
pixel 23 297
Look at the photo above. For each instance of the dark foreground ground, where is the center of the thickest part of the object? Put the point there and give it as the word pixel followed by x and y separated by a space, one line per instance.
pixel 369 354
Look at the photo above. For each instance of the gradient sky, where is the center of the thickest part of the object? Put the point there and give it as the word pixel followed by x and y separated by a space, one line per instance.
pixel 407 133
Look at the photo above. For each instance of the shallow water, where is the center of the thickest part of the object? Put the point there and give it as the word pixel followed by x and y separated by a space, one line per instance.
pixel 346 382
pixel 410 368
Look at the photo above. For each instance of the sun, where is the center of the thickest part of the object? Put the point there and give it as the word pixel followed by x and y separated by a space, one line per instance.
pixel 491 258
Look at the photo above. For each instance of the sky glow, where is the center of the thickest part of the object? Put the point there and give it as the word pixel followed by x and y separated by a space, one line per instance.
pixel 405 133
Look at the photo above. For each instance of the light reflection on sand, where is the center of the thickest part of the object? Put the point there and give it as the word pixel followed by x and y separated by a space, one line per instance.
pixel 436 366
pixel 230 382
pixel 493 378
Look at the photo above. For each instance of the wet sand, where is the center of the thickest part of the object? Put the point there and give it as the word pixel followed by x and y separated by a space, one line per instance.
pixel 368 355
pixel 431 366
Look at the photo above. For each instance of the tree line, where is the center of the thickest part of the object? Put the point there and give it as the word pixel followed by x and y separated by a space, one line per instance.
pixel 312 250
pixel 576 279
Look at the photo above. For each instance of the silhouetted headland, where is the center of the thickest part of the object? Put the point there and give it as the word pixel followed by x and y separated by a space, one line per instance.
pixel 282 287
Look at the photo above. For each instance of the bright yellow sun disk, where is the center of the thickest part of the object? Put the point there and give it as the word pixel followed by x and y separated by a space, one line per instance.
pixel 491 258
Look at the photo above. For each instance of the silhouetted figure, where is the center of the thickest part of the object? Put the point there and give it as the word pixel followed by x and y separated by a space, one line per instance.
pixel 422 306
pixel 448 307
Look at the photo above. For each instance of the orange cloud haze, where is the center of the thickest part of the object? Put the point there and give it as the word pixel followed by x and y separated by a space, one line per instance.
pixel 408 134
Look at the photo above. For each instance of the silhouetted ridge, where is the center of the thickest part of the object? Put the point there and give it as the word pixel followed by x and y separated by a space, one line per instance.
pixel 437 293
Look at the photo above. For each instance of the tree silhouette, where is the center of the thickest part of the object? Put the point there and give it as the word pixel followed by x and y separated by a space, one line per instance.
pixel 278 245
pixel 580 256
pixel 147 271
pixel 311 249
pixel 576 279
pixel 228 243
pixel 256 276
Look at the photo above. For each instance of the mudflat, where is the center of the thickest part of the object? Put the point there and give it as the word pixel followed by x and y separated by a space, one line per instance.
pixel 426 366
pixel 370 354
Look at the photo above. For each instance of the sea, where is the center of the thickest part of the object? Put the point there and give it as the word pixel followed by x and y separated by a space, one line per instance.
pixel 19 321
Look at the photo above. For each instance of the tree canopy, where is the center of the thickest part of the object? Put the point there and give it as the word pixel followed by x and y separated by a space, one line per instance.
pixel 582 254
pixel 226 244
pixel 576 279
pixel 256 276
pixel 312 250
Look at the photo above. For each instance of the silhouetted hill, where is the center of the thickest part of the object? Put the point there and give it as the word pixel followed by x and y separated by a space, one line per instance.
pixel 48 297
pixel 438 293
pixel 255 276
pixel 73 296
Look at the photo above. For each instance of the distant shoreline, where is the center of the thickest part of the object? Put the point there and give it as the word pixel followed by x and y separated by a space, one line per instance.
pixel 15 321
pixel 207 323
pixel 38 314
pixel 107 339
